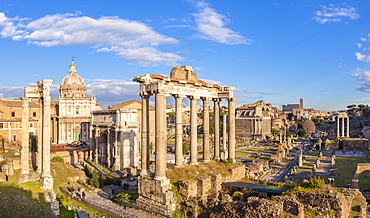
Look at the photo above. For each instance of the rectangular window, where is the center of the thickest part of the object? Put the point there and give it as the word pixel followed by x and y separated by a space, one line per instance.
pixel 1 125
pixel 34 114
pixel 13 114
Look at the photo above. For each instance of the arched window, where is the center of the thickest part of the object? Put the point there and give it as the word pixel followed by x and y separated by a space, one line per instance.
pixel 31 125
pixel 14 137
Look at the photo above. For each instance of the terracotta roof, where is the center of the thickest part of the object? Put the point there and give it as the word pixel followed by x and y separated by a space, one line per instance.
pixel 127 103
pixel 17 103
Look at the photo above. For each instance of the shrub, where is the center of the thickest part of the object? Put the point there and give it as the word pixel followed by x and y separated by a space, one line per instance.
pixel 316 182
pixel 124 195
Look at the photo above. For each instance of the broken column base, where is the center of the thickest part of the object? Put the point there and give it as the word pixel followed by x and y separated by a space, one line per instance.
pixel 156 196
pixel 47 182
pixel 23 178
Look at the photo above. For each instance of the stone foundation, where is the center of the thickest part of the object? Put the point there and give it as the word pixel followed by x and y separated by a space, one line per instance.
pixel 209 184
pixel 156 196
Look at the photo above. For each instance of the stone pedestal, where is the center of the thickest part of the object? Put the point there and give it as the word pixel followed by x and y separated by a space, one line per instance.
pixel 155 195
pixel 47 181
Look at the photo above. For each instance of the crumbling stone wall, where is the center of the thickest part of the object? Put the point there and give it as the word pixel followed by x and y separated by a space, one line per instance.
pixel 209 184
pixel 354 143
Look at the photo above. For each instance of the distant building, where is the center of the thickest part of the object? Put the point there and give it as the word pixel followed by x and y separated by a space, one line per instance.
pixel 253 121
pixel 290 107
pixel 71 109
pixel 115 138
pixel 136 104
pixel 11 119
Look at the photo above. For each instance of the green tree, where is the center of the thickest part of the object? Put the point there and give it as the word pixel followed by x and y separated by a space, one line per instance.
pixel 351 106
pixel 302 133
pixel 274 131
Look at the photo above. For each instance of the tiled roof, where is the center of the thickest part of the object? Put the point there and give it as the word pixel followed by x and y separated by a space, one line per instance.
pixel 127 103
pixel 17 103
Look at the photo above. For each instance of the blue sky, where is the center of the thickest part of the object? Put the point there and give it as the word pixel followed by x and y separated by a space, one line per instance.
pixel 276 51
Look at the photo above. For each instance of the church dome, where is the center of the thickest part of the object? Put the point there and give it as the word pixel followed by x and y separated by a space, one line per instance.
pixel 72 86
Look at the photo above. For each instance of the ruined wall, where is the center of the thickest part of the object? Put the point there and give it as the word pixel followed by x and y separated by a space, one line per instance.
pixel 354 143
pixel 209 184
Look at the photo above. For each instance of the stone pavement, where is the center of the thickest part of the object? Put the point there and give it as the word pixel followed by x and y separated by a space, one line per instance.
pixel 101 199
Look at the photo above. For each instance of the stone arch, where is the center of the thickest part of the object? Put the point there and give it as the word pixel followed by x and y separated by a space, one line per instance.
pixel 361 167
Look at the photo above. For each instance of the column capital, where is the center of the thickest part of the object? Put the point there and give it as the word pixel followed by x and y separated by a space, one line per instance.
pixel 216 99
pixel 178 96
pixel 145 94
pixel 205 98
pixel 231 99
pixel 191 97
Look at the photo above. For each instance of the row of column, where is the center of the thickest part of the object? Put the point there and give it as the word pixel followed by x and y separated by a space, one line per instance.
pixel 160 132
pixel 341 133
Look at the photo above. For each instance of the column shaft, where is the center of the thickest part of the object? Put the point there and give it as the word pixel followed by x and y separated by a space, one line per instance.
pixel 145 135
pixel 206 153
pixel 25 137
pixel 343 126
pixel 160 140
pixel 217 128
pixel 232 128
pixel 347 126
pixel 178 132
pixel 193 131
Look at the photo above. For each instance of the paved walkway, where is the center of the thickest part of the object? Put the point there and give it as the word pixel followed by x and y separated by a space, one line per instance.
pixel 101 199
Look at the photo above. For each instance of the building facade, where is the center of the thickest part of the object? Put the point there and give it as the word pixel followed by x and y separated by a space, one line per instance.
pixel 71 109
pixel 114 138
pixel 11 120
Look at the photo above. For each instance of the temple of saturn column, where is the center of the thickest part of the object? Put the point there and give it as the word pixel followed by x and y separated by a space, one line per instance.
pixel 42 92
pixel 342 118
pixel 182 83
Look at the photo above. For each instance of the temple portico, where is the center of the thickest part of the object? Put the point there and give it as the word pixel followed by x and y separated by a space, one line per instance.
pixel 183 83
pixel 342 119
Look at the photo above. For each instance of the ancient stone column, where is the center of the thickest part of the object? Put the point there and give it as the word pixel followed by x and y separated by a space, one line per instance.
pixel 160 137
pixel 39 139
pixel 300 158
pixel 216 128
pixel 224 138
pixel 108 155
pixel 115 149
pixel 342 126
pixel 193 130
pixel 46 177
pixel 179 159
pixel 231 147
pixel 145 134
pixel 206 153
pixel 24 175
pixel 97 150
pixel 338 119
pixel 347 126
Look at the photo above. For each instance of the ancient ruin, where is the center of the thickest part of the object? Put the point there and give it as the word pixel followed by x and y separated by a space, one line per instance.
pixel 154 193
pixel 341 119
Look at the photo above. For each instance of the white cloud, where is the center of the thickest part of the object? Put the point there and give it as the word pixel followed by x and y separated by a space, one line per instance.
pixel 211 26
pixel 132 40
pixel 361 57
pixel 144 56
pixel 333 13
pixel 363 76
pixel 7 26
pixel 111 92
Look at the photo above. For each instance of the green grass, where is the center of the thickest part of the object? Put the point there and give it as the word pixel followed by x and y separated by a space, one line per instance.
pixel 202 169
pixel 18 202
pixel 348 165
